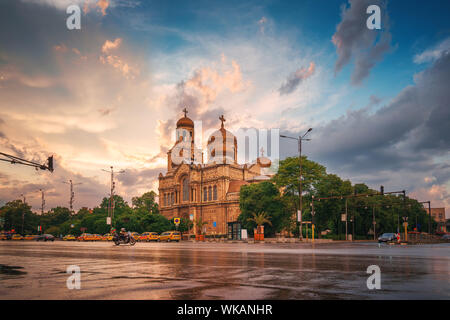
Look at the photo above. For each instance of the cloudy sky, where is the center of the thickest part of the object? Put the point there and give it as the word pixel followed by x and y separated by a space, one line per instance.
pixel 110 93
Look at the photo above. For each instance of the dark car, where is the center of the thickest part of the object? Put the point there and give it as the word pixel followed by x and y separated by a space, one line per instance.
pixel 446 237
pixel 45 237
pixel 387 237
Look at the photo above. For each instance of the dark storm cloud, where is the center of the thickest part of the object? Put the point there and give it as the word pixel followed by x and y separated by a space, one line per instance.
pixel 354 40
pixel 409 133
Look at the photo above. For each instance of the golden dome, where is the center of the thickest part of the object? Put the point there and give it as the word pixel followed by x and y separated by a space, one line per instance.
pixel 185 122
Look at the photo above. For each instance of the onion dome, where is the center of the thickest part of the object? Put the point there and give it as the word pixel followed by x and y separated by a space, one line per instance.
pixel 222 144
pixel 185 122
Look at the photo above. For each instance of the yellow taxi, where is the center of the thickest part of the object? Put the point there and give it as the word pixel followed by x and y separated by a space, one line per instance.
pixel 149 236
pixel 86 237
pixel 97 237
pixel 135 235
pixel 30 237
pixel 16 237
pixel 170 236
pixel 69 237
pixel 3 236
pixel 107 237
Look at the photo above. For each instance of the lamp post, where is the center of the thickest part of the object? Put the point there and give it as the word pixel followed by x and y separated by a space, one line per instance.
pixel 299 140
pixel 429 215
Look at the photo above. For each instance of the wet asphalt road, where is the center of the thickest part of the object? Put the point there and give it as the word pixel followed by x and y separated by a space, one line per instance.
pixel 32 270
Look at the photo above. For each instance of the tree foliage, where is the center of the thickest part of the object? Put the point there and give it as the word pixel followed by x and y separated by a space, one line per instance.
pixel 263 197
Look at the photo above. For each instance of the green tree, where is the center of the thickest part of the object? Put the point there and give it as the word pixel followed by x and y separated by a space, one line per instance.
pixel 260 219
pixel 263 197
pixel 146 202
pixel 14 213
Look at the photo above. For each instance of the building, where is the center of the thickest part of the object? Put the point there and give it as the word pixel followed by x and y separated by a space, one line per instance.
pixel 192 189
pixel 438 214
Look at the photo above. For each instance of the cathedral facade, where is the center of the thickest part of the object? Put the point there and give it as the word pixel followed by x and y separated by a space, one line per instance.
pixel 208 190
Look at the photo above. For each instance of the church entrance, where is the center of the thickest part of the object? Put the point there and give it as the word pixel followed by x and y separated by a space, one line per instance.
pixel 234 231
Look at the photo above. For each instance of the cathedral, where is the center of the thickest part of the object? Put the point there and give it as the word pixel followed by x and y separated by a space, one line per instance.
pixel 194 189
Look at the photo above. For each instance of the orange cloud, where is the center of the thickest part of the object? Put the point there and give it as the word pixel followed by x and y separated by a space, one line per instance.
pixel 109 45
pixel 103 4
pixel 60 48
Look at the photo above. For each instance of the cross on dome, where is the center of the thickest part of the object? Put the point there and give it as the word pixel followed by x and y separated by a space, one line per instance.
pixel 222 118
pixel 185 112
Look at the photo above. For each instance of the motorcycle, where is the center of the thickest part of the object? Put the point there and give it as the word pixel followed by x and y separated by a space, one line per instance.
pixel 127 239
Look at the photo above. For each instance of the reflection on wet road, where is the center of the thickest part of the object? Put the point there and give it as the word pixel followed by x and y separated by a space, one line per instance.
pixel 31 270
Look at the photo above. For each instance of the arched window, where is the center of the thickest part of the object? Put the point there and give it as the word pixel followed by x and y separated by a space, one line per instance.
pixel 205 194
pixel 185 189
pixel 215 193
pixel 209 194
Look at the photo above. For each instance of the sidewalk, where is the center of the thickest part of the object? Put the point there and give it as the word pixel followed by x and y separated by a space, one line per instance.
pixel 266 240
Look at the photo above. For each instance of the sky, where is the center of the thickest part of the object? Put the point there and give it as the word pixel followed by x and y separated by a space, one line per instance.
pixel 110 93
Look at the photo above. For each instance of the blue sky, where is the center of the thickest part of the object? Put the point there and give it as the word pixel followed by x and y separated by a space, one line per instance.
pixel 110 93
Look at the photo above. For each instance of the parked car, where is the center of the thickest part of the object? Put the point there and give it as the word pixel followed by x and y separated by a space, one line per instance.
pixel 16 236
pixel 446 237
pixel 97 237
pixel 30 237
pixel 107 237
pixel 149 236
pixel 86 237
pixel 45 237
pixel 135 235
pixel 5 236
pixel 69 237
pixel 170 236
pixel 387 237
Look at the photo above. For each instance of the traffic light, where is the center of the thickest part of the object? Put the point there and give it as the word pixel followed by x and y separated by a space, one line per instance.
pixel 382 190
pixel 50 163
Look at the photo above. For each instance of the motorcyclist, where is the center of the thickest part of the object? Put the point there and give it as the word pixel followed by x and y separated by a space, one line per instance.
pixel 123 234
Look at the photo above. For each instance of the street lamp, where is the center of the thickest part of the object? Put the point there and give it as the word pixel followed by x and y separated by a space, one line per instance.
pixel 299 140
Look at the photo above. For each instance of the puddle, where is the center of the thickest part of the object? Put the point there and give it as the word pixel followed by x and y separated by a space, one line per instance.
pixel 11 270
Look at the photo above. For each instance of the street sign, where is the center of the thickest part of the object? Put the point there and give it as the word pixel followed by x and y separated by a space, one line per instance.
pixel 343 217
pixel 214 224
pixel 108 220
pixel 191 217
pixel 176 221
pixel 72 226
pixel 299 215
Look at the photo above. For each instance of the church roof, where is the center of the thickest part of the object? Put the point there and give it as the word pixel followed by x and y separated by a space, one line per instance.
pixel 235 185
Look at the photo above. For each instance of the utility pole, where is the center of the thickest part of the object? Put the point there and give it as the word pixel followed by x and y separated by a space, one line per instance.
pixel 312 219
pixel 299 214
pixel 346 219
pixel 23 212
pixel 72 194
pixel 111 194
pixel 374 223
pixel 42 202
